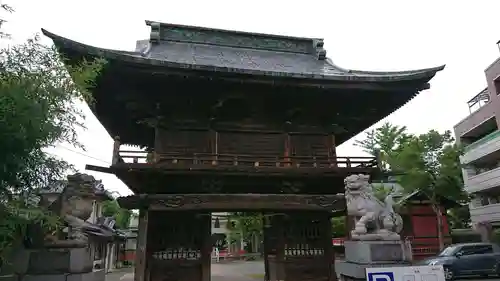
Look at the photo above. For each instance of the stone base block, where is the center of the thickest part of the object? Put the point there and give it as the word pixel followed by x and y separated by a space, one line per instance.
pixel 89 276
pixel 349 271
pixel 52 261
pixel 11 277
pixel 377 252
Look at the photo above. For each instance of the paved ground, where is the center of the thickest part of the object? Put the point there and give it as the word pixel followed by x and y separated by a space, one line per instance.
pixel 238 271
pixel 233 271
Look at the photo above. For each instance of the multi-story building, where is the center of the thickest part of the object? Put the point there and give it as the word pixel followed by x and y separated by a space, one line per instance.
pixel 479 134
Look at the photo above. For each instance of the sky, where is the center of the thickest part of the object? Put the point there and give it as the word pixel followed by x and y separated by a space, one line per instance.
pixel 359 34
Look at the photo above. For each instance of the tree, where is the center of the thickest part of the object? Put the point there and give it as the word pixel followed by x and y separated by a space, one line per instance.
pixel 38 109
pixel 339 227
pixel 459 217
pixel 111 208
pixel 7 9
pixel 384 142
pixel 246 225
pixel 430 163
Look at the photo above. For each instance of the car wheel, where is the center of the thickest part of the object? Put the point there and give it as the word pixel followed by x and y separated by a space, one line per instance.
pixel 448 274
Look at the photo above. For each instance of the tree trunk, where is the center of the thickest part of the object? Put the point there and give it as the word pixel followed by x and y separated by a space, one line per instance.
pixel 439 217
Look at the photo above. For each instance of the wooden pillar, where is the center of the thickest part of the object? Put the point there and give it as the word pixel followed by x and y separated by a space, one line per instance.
pixel 280 248
pixel 141 255
pixel 288 150
pixel 274 247
pixel 206 247
pixel 214 145
pixel 116 151
pixel 329 253
pixel 266 232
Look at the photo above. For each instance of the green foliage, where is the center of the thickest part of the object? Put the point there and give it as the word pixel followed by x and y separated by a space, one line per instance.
pixel 37 110
pixel 428 162
pixel 245 223
pixel 385 142
pixel 15 217
pixel 381 191
pixel 459 217
pixel 37 107
pixel 7 9
pixel 339 227
pixel 111 208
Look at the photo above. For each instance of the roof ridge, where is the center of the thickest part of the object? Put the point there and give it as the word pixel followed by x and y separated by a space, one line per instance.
pixel 203 28
pixel 161 32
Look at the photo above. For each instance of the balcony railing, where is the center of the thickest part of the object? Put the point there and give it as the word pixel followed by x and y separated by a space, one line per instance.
pixel 206 159
pixel 483 181
pixel 488 213
pixel 479 100
pixel 483 140
pixel 482 147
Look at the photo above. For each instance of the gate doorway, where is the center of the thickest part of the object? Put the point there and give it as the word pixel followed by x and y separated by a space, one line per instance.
pixel 238 248
pixel 296 246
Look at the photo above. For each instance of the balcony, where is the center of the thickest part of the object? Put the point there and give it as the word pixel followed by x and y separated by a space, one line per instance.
pixel 483 181
pixel 228 162
pixel 490 213
pixel 479 100
pixel 481 109
pixel 481 148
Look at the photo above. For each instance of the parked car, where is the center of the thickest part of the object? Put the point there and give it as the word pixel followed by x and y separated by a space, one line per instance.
pixel 466 259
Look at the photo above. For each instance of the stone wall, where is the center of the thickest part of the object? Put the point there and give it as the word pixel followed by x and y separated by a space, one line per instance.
pixel 64 264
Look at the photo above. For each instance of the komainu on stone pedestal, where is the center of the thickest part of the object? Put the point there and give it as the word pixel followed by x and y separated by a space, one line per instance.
pixel 375 220
pixel 74 206
pixel 62 256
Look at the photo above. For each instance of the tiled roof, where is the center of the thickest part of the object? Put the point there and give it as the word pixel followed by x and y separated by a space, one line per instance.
pixel 189 47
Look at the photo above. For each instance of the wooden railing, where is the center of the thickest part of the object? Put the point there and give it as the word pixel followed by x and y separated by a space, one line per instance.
pixel 207 159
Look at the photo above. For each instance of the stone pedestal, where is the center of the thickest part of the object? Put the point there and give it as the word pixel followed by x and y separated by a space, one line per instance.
pixel 66 264
pixel 360 255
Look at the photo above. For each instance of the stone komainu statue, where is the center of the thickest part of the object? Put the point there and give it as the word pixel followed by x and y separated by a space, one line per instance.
pixel 74 205
pixel 374 220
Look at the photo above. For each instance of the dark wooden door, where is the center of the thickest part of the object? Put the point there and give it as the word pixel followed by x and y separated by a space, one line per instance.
pixel 308 247
pixel 179 246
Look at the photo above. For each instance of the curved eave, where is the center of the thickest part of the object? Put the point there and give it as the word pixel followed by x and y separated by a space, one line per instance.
pixel 354 76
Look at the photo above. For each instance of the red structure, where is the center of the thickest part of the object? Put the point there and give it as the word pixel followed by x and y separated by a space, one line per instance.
pixel 420 224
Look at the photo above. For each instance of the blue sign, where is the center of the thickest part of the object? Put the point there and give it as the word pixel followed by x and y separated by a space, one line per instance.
pixel 381 276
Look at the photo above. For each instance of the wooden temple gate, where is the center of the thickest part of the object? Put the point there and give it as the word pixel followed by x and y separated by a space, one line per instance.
pixel 256 130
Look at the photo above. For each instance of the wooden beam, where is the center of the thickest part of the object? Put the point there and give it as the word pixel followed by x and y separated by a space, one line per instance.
pixel 215 202
pixel 247 171
pixel 101 169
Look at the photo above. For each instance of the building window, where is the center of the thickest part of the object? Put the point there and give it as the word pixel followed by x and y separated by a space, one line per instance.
pixel 496 82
